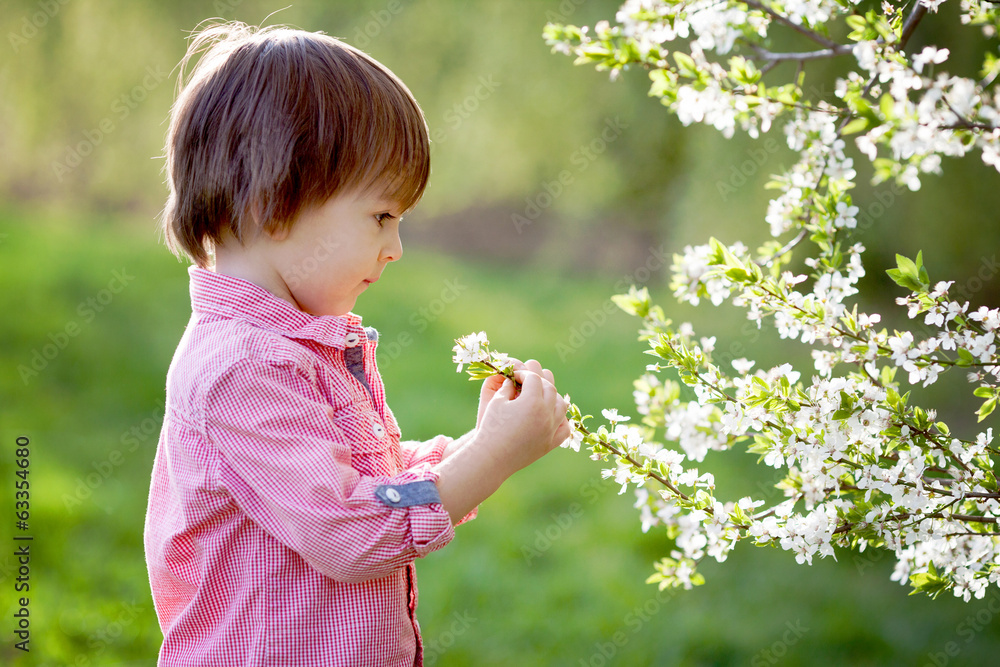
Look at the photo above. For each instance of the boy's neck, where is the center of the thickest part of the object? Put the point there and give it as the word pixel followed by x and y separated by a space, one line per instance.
pixel 245 262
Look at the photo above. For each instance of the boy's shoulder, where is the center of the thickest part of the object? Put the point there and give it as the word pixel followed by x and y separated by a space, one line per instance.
pixel 212 348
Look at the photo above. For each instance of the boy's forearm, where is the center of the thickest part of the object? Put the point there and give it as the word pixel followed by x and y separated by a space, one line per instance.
pixel 466 478
pixel 457 444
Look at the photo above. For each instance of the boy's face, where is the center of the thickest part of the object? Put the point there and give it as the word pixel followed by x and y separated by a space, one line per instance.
pixel 333 252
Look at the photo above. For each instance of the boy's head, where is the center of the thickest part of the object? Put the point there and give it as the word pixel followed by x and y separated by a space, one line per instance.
pixel 275 121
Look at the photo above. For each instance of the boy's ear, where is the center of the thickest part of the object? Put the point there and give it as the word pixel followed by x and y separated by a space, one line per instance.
pixel 278 233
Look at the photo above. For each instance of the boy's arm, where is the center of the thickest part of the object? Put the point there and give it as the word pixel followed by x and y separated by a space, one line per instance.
pixel 287 465
pixel 431 452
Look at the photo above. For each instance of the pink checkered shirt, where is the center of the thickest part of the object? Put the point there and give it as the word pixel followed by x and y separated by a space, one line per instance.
pixel 265 539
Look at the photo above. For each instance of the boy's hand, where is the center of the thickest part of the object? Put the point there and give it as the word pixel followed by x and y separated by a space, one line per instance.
pixel 520 427
pixel 514 428
pixel 493 383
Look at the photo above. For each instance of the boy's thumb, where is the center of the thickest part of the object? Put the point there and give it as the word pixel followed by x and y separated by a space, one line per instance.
pixel 506 390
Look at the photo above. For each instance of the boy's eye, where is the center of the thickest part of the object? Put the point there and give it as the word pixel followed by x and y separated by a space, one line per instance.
pixel 382 217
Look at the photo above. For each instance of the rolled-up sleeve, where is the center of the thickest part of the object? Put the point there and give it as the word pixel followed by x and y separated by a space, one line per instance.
pixel 287 465
pixel 420 454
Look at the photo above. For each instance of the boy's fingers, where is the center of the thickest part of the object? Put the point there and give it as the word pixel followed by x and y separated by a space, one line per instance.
pixel 528 379
pixel 506 390
pixel 493 382
pixel 533 366
pixel 563 432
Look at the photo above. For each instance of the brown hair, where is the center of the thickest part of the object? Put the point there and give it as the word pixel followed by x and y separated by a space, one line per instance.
pixel 274 121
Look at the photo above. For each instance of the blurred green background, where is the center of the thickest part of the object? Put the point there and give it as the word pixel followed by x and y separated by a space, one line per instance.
pixel 552 571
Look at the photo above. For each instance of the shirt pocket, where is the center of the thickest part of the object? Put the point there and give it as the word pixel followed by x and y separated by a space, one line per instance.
pixel 373 443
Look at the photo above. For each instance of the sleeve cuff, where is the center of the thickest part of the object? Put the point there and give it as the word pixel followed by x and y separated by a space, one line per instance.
pixel 417 495
pixel 408 495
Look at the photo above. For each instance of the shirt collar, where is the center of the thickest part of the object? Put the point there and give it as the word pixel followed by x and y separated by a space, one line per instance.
pixel 235 298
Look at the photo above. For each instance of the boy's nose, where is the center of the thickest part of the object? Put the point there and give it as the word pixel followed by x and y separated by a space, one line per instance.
pixel 394 249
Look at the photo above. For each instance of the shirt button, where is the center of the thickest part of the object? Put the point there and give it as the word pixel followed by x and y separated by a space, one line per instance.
pixel 378 430
pixel 393 495
pixel 352 339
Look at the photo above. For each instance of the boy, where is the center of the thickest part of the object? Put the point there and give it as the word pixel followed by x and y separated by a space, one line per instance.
pixel 284 514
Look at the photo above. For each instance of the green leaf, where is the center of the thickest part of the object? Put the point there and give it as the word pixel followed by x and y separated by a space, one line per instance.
pixel 636 302
pixel 855 22
pixel 904 280
pixel 987 408
pixel 921 271
pixel 686 65
pixel 910 274
pixel 855 126
pixel 929 583
pixel 885 105
pixel 965 359
pixel 738 275
pixel 906 265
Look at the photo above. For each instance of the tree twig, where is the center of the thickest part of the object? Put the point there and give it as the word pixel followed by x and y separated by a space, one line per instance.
pixel 784 20
pixel 801 56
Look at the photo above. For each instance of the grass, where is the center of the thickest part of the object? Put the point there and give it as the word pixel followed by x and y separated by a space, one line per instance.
pixel 551 573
